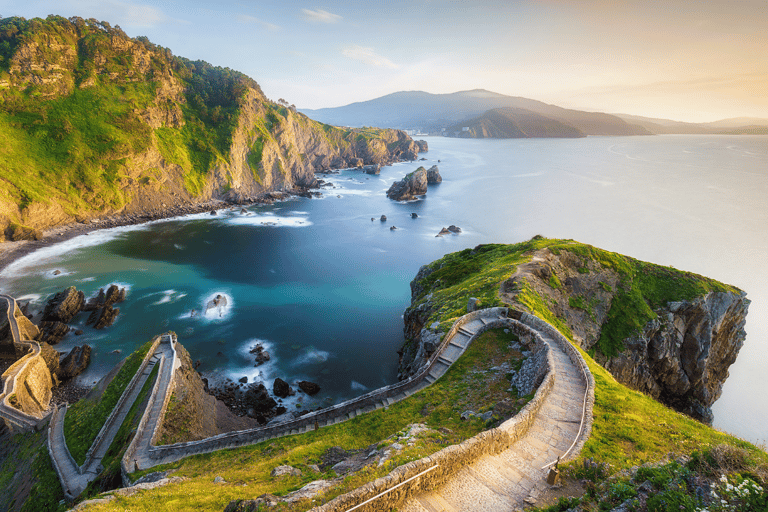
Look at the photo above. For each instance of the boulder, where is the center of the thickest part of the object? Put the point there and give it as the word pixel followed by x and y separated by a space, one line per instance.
pixel 422 145
pixel 414 215
pixel 454 229
pixel 309 388
pixel 414 184
pixel 285 471
pixel 372 169
pixel 257 397
pixel 103 317
pixel 383 218
pixel 74 363
pixel 433 175
pixel 281 388
pixel 52 332
pixel 392 228
pixel 63 306
pixel 442 232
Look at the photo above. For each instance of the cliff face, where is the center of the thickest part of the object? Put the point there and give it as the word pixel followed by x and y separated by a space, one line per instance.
pixel 668 333
pixel 98 123
pixel 682 350
pixel 682 357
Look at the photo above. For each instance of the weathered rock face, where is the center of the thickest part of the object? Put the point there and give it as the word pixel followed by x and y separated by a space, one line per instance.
pixel 74 363
pixel 433 175
pixel 52 332
pixel 682 357
pixel 423 146
pixel 294 148
pixel 102 313
pixel 63 306
pixel 51 357
pixel 414 184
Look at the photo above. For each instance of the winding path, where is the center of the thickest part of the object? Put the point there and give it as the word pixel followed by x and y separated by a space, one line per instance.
pixel 504 481
pixel 9 413
pixel 74 478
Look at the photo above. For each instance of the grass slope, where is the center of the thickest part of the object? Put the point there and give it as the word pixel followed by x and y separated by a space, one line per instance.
pixel 469 384
pixel 84 419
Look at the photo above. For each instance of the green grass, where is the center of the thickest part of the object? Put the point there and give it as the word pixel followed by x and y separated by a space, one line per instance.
pixel 111 475
pixel 469 384
pixel 46 493
pixel 85 418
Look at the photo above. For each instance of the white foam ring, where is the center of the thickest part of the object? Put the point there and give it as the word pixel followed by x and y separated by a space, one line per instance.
pixel 270 219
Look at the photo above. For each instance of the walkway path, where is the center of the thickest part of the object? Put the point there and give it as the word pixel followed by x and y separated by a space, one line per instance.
pixel 7 411
pixel 502 482
pixel 74 478
pixel 147 455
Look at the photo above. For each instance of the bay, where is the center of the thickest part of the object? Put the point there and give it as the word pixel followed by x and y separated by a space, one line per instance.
pixel 323 286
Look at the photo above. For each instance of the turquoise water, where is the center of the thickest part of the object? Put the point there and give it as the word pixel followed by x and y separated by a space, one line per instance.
pixel 323 287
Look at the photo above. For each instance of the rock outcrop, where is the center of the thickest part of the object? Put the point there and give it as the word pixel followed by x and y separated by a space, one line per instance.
pixel 414 184
pixel 670 334
pixel 308 387
pixel 63 306
pixel 423 146
pixel 74 363
pixel 680 356
pixel 433 175
pixel 102 313
pixel 52 332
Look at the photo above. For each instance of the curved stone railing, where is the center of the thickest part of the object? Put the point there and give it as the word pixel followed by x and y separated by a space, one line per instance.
pixel 149 421
pixel 74 478
pixel 120 406
pixel 373 400
pixel 436 469
pixel 575 356
pixel 7 411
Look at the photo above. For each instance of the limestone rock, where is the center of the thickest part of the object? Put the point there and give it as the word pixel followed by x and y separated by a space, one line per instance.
pixel 102 313
pixel 285 471
pixel 75 362
pixel 309 388
pixel 52 332
pixel 63 306
pixel 50 356
pixel 433 175
pixel 414 184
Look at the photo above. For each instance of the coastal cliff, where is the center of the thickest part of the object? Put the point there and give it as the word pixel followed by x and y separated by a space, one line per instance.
pixel 668 333
pixel 97 124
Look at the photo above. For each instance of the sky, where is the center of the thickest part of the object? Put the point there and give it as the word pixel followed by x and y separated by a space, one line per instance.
pixel 689 61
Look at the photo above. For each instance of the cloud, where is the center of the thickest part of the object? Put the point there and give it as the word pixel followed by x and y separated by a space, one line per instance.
pixel 246 19
pixel 367 56
pixel 126 14
pixel 320 16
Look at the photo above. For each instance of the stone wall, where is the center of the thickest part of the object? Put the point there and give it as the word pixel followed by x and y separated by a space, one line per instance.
pixel 433 471
pixel 334 414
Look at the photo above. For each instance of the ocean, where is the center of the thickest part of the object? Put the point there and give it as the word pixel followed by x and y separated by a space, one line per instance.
pixel 322 283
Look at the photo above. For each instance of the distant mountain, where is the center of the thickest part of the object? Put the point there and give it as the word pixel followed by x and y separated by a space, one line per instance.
pixel 434 112
pixel 510 123
pixel 732 126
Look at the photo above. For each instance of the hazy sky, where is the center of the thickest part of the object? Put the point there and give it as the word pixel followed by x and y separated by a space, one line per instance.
pixel 684 60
